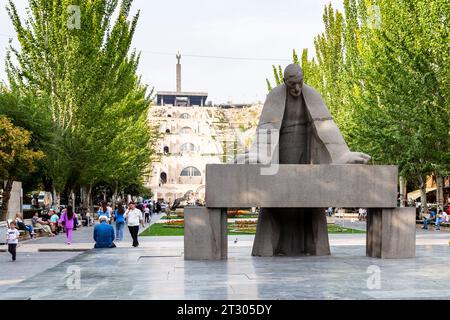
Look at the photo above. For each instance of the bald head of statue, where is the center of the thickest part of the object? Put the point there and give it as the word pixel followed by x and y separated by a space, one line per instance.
pixel 293 79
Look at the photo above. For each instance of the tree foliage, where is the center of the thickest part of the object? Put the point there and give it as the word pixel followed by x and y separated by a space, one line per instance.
pixel 86 82
pixel 383 69
pixel 16 158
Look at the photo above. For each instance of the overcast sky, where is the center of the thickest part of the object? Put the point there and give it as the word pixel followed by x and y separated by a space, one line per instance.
pixel 257 29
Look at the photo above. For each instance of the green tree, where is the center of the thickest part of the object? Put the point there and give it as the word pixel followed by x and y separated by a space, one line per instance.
pixel 278 72
pixel 87 75
pixel 403 115
pixel 16 158
pixel 383 68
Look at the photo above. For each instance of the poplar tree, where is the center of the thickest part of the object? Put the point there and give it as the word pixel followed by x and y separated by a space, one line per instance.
pixel 77 58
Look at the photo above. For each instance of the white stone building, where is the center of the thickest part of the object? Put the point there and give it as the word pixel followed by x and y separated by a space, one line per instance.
pixel 186 145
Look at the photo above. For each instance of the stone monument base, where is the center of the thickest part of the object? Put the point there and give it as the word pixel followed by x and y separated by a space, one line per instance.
pixel 291 232
pixel 205 234
pixel 293 199
pixel 391 233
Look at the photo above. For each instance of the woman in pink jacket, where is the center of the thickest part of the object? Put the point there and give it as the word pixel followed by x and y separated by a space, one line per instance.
pixel 68 220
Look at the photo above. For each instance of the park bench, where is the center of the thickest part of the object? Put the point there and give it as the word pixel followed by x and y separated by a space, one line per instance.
pixel 433 222
pixel 390 230
pixel 35 229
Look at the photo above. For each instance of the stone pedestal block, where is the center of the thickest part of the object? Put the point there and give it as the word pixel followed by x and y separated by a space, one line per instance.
pixel 391 233
pixel 301 186
pixel 15 203
pixel 205 234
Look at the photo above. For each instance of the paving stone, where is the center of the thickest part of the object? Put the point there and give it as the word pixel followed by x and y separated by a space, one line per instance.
pixel 343 275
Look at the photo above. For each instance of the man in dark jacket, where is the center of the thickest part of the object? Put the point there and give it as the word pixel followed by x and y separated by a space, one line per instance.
pixel 104 234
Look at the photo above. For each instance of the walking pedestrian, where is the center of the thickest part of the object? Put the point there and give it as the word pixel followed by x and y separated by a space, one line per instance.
pixel 158 208
pixel 330 211
pixel 133 217
pixel 104 211
pixel 120 221
pixel 147 214
pixel 12 238
pixel 151 207
pixel 68 221
pixel 110 209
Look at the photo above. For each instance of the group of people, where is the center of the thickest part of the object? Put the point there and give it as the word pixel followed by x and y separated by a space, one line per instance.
pixel 362 213
pixel 50 222
pixel 133 216
pixel 439 218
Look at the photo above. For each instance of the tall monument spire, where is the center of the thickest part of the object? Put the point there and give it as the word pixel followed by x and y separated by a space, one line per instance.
pixel 178 56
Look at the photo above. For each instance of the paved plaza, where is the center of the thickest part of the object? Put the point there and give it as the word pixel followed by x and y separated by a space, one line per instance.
pixel 157 270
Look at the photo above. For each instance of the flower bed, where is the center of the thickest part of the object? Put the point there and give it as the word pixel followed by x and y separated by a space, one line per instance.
pixel 243 226
pixel 174 224
pixel 239 227
pixel 241 214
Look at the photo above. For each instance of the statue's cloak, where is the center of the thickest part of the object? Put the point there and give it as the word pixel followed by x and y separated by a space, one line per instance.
pixel 325 142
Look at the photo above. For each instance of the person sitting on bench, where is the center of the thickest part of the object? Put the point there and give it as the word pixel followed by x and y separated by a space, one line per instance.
pixel 54 218
pixel 426 220
pixel 41 224
pixel 22 226
pixel 442 217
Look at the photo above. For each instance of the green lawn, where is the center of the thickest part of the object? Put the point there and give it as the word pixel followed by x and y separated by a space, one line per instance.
pixel 246 216
pixel 334 229
pixel 158 229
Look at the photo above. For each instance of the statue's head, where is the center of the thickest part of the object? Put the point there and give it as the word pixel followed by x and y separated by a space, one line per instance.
pixel 293 78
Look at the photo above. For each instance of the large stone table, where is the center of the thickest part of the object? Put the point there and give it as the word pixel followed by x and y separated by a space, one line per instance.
pixel 390 230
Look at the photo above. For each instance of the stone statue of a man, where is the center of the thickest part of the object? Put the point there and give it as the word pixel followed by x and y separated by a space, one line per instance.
pixel 305 133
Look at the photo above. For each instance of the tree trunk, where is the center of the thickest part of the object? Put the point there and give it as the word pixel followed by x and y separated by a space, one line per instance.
pixel 423 196
pixel 72 199
pixel 89 198
pixel 116 190
pixel 56 199
pixel 440 191
pixel 83 196
pixel 6 197
pixel 54 204
pixel 402 187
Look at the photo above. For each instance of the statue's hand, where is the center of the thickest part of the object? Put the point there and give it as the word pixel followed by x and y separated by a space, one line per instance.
pixel 354 158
